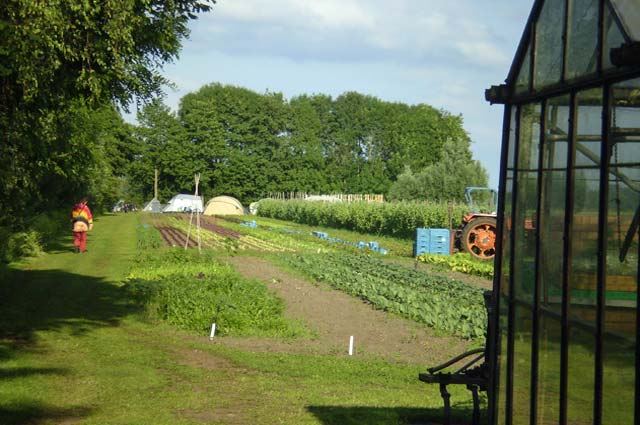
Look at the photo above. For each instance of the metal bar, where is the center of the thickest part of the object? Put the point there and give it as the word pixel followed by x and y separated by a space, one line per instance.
pixel 600 46
pixel 532 55
pixel 475 419
pixel 565 330
pixel 536 288
pixel 633 227
pixel 637 395
pixel 601 258
pixel 471 363
pixel 455 360
pixel 512 292
pixel 495 338
pixel 635 186
pixel 447 403
pixel 565 38
pixel 611 76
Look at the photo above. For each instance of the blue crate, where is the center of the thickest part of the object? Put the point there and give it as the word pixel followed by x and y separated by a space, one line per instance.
pixel 432 241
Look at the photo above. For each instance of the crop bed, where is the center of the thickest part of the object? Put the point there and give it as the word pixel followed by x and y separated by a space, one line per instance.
pixel 174 237
pixel 218 237
pixel 222 231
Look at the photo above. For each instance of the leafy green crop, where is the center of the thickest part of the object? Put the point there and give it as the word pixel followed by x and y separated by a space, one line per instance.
pixel 447 305
pixel 148 237
pixel 460 263
pixel 193 291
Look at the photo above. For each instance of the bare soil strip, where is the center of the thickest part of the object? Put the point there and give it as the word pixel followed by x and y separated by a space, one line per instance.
pixel 335 316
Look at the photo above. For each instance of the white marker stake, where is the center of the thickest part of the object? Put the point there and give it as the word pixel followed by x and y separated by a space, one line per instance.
pixel 351 345
pixel 213 331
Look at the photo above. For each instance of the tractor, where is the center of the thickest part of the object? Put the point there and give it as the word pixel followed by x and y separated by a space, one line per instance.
pixel 477 234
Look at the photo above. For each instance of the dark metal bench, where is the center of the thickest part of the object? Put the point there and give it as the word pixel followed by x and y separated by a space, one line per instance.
pixel 474 372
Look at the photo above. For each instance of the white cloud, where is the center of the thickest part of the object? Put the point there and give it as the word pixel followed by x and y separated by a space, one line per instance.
pixel 355 30
pixel 482 53
pixel 335 14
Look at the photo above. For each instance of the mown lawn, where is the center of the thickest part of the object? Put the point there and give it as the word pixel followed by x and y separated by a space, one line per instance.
pixel 75 348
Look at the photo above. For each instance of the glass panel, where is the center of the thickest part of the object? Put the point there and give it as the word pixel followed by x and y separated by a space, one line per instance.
pixel 580 374
pixel 504 275
pixel 553 202
pixel 524 256
pixel 628 12
pixel 548 57
pixel 522 365
pixel 622 255
pixel 582 47
pixel 612 37
pixel 554 182
pixel 524 76
pixel 526 204
pixel 584 246
pixel 549 370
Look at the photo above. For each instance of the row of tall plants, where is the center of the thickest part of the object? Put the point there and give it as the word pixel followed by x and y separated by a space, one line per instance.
pixel 397 219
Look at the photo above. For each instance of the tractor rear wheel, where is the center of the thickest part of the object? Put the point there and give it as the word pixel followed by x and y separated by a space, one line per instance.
pixel 479 238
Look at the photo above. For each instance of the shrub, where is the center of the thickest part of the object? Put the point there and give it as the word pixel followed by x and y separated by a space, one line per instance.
pixel 21 244
pixel 50 224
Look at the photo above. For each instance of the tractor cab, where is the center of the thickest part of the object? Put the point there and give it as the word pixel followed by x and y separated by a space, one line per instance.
pixel 481 199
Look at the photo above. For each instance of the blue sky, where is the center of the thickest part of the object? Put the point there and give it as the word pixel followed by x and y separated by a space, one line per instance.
pixel 443 53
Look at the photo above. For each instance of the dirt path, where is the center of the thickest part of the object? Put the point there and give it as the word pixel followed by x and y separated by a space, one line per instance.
pixel 334 316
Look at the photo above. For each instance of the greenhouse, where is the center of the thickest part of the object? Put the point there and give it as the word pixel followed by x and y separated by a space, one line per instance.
pixel 563 349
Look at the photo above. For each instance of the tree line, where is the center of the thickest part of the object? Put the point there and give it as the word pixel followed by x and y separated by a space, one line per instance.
pixel 246 144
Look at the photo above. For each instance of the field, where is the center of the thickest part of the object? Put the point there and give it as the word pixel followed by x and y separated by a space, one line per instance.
pixel 121 334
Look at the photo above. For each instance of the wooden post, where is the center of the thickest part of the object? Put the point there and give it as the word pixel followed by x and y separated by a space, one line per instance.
pixel 155 184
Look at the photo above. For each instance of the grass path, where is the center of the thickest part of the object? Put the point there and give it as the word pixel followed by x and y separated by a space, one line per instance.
pixel 75 350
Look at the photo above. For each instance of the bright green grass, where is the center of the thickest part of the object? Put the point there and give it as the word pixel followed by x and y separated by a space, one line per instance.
pixel 75 349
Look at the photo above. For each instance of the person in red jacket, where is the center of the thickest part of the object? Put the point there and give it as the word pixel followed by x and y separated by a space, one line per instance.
pixel 82 222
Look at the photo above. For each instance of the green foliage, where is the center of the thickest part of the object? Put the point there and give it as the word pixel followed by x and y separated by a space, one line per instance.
pixel 443 180
pixel 49 225
pixel 21 244
pixel 463 263
pixel 398 219
pixel 60 62
pixel 247 144
pixel 193 291
pixel 447 305
pixel 39 231
pixel 148 237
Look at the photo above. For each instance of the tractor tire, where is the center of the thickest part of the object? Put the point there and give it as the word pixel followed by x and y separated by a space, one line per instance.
pixel 479 238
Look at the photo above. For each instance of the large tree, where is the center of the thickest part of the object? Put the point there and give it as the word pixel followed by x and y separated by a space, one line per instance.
pixel 58 57
pixel 247 144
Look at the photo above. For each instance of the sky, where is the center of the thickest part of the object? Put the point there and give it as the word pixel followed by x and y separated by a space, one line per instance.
pixel 443 53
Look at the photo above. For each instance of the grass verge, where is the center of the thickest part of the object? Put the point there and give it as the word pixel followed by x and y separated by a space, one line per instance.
pixel 75 348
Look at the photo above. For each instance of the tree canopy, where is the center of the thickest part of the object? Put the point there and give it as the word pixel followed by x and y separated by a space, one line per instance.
pixel 60 60
pixel 247 144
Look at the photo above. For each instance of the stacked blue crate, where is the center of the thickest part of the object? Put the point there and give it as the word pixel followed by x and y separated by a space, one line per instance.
pixel 421 244
pixel 432 241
